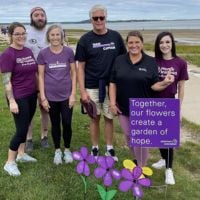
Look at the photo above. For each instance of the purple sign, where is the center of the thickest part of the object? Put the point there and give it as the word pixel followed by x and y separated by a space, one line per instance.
pixel 154 122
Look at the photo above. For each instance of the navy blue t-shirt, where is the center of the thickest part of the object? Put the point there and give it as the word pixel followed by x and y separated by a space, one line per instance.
pixel 133 80
pixel 99 53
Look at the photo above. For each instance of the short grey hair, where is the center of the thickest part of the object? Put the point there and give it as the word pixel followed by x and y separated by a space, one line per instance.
pixel 96 8
pixel 54 26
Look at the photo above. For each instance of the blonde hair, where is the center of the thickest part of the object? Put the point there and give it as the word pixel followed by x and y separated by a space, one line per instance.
pixel 54 26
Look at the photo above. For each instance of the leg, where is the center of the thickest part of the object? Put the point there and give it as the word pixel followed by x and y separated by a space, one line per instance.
pixel 140 153
pixel 29 141
pixel 44 118
pixel 167 154
pixel 22 121
pixel 66 114
pixel 108 131
pixel 54 113
pixel 30 132
pixel 124 123
pixel 94 131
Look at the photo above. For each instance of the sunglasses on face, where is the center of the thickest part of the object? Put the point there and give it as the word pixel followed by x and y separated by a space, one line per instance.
pixel 100 17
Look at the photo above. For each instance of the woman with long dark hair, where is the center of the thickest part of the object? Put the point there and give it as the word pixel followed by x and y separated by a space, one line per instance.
pixel 166 59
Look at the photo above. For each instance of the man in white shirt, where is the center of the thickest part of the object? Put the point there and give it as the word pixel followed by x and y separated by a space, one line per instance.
pixel 36 40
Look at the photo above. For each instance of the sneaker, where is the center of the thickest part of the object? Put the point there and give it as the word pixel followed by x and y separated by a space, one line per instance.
pixel 57 157
pixel 25 158
pixel 29 145
pixel 68 156
pixel 12 169
pixel 159 165
pixel 44 142
pixel 95 153
pixel 111 152
pixel 169 177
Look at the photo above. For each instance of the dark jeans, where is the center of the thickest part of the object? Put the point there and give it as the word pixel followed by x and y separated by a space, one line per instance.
pixel 60 111
pixel 168 155
pixel 27 107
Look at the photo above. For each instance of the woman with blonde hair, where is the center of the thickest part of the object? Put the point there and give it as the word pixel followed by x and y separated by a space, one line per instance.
pixel 57 84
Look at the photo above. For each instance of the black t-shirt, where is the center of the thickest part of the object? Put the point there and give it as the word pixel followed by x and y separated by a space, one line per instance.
pixel 133 80
pixel 99 52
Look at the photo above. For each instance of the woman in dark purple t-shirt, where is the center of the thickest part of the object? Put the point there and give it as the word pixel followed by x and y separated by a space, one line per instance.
pixel 19 68
pixel 166 58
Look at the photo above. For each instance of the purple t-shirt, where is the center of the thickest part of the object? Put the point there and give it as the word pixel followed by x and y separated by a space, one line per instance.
pixel 57 78
pixel 178 68
pixel 22 65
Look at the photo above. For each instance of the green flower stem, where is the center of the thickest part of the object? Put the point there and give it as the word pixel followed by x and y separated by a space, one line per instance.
pixel 85 186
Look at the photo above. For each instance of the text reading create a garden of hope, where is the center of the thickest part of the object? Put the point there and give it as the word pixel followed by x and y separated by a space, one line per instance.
pixel 149 117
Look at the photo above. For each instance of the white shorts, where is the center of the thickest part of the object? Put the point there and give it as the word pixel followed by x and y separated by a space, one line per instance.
pixel 104 107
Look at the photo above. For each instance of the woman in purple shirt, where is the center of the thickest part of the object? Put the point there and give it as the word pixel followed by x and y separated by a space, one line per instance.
pixel 19 68
pixel 57 83
pixel 166 58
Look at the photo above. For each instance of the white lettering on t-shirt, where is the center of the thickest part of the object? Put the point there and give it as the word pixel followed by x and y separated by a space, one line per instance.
pixel 26 61
pixel 142 69
pixel 163 71
pixel 57 65
pixel 107 46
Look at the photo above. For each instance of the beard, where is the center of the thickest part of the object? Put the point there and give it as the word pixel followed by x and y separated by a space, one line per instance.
pixel 39 24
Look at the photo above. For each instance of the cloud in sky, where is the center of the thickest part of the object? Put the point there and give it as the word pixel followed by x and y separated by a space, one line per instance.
pixel 68 10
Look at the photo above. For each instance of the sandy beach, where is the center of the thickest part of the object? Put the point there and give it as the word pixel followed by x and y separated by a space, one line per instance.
pixel 186 36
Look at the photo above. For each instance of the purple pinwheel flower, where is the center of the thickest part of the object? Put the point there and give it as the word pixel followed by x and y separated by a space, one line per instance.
pixel 85 158
pixel 105 170
pixel 134 181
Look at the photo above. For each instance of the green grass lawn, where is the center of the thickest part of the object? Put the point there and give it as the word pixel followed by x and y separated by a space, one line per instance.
pixel 44 180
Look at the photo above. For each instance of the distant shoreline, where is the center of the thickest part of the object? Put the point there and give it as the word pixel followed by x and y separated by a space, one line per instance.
pixel 111 21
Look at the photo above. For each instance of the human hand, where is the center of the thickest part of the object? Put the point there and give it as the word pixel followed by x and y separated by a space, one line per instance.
pixel 115 110
pixel 13 107
pixel 45 105
pixel 85 96
pixel 72 100
pixel 169 77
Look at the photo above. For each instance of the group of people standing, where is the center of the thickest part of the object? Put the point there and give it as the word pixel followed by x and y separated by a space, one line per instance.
pixel 108 75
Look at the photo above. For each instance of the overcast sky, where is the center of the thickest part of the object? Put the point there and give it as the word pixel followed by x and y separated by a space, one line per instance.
pixel 77 10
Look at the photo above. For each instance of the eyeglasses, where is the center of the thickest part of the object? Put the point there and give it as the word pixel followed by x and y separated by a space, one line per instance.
pixel 100 17
pixel 19 34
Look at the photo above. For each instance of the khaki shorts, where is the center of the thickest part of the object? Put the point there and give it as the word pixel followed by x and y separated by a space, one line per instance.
pixel 104 107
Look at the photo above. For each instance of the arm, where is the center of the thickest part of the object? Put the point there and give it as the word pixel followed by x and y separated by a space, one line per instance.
pixel 72 97
pixel 81 80
pixel 9 93
pixel 181 86
pixel 161 85
pixel 43 99
pixel 112 95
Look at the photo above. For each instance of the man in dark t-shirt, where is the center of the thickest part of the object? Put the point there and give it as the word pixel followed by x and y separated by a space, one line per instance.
pixel 95 53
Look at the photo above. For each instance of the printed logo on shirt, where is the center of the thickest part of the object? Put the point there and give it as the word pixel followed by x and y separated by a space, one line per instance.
pixel 105 47
pixel 142 69
pixel 33 41
pixel 163 71
pixel 26 61
pixel 57 65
